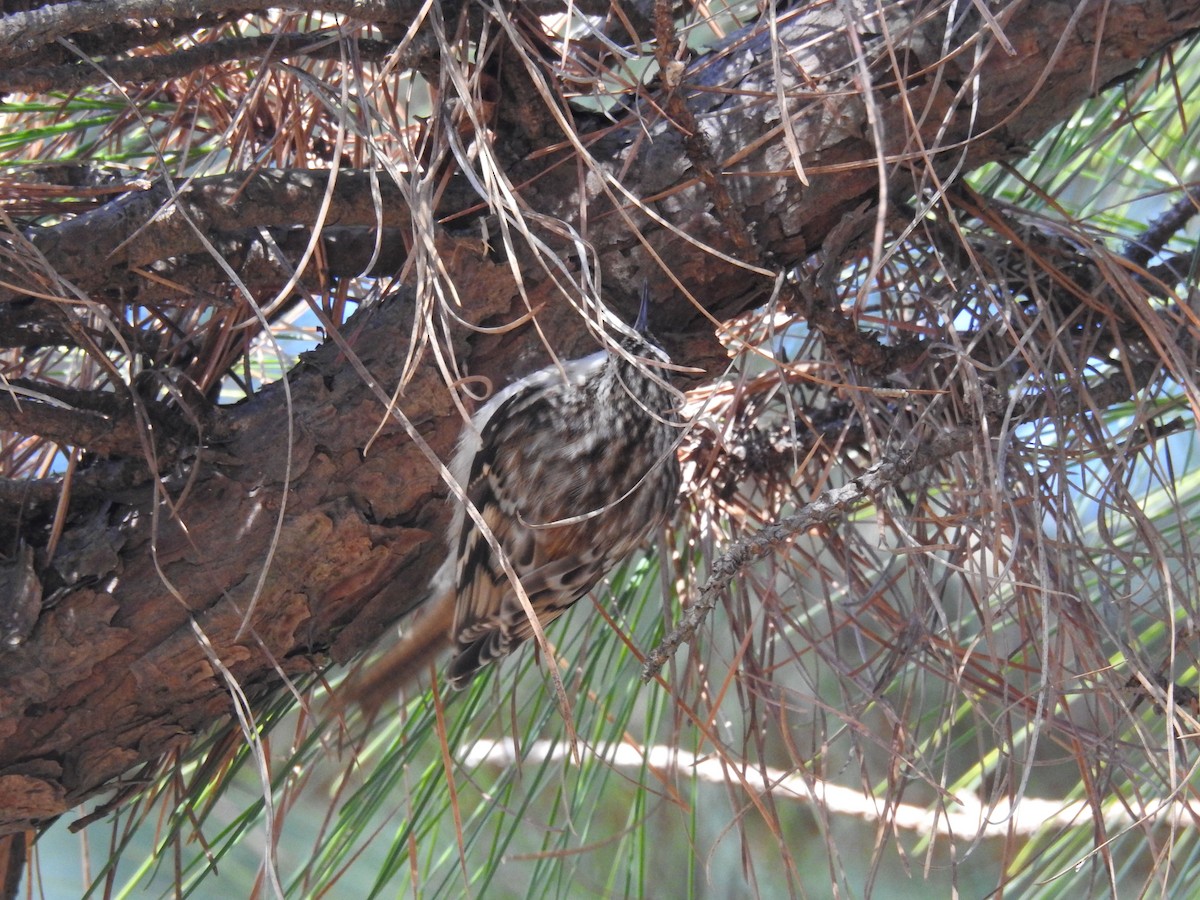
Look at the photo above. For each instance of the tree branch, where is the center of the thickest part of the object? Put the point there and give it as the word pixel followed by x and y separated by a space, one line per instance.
pixel 165 66
pixel 824 510
pixel 112 674
pixel 25 32
pixel 116 432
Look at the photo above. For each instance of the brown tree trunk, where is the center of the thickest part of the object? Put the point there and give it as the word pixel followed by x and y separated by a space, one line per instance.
pixel 312 511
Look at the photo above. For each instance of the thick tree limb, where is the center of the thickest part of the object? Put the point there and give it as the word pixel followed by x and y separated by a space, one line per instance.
pixel 112 675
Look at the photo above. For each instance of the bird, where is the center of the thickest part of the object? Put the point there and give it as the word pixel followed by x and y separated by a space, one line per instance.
pixel 571 468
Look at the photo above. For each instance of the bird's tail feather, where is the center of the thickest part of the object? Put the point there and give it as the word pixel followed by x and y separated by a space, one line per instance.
pixel 379 681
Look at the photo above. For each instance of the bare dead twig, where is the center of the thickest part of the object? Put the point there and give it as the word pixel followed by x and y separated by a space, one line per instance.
pixel 828 507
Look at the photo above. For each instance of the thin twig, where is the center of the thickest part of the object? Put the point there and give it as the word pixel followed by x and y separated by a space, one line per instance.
pixel 826 508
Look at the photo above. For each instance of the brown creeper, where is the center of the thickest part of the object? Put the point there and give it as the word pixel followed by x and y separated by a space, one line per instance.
pixel 571 467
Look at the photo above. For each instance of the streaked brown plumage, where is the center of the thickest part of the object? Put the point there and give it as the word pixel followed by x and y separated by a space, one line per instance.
pixel 571 467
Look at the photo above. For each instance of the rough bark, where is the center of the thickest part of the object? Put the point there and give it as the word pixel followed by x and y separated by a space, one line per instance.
pixel 113 673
